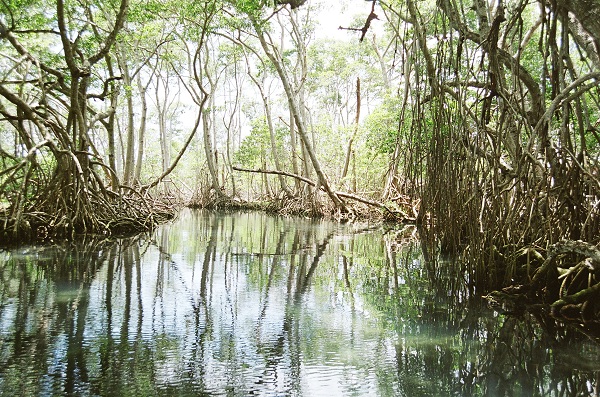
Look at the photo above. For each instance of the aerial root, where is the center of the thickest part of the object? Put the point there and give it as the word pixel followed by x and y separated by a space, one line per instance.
pixel 568 281
pixel 94 214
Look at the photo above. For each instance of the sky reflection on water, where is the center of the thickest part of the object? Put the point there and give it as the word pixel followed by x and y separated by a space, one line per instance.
pixel 249 304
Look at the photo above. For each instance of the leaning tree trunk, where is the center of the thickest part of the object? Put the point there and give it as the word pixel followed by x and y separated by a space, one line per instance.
pixel 142 128
pixel 299 122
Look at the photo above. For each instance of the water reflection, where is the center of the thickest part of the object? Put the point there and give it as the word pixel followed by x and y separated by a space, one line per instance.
pixel 250 304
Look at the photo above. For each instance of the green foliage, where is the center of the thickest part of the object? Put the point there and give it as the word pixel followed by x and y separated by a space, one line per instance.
pixel 26 14
pixel 255 149
pixel 382 126
pixel 143 12
pixel 592 135
pixel 241 14
pixel 250 7
pixel 252 150
pixel 29 21
pixel 331 66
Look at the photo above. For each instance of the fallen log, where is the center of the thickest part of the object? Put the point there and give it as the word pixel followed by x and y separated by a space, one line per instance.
pixel 351 196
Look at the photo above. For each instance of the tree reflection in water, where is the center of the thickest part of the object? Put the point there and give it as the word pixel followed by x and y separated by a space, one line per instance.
pixel 245 303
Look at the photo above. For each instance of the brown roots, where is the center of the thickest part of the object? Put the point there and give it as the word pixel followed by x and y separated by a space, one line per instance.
pixel 567 282
pixel 125 215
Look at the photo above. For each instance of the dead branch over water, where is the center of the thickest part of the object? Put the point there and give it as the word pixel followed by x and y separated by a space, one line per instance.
pixel 396 214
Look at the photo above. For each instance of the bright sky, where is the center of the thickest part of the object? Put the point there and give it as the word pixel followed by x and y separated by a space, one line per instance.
pixel 336 13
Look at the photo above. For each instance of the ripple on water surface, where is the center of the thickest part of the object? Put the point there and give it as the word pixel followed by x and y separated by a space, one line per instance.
pixel 177 314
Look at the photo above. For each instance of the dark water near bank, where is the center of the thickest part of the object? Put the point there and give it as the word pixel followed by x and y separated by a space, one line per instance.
pixel 249 304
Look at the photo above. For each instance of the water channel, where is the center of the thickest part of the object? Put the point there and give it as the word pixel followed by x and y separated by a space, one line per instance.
pixel 243 304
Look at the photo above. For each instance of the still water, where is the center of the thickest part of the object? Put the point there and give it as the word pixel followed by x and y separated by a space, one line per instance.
pixel 247 304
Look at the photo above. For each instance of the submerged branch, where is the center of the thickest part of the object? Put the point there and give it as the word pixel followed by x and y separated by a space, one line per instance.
pixel 570 291
pixel 566 247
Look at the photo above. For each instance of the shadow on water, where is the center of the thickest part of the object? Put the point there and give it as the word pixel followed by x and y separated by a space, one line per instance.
pixel 250 304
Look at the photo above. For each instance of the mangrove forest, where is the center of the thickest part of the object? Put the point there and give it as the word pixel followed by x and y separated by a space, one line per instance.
pixel 475 121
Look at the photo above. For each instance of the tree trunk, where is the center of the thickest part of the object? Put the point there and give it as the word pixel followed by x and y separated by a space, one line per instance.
pixel 295 111
pixel 129 160
pixel 142 130
pixel 109 126
pixel 207 127
pixel 162 108
pixel 295 153
pixel 356 120
pixel 269 118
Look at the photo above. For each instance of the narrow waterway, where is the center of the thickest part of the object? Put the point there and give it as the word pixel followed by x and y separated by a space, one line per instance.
pixel 241 304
